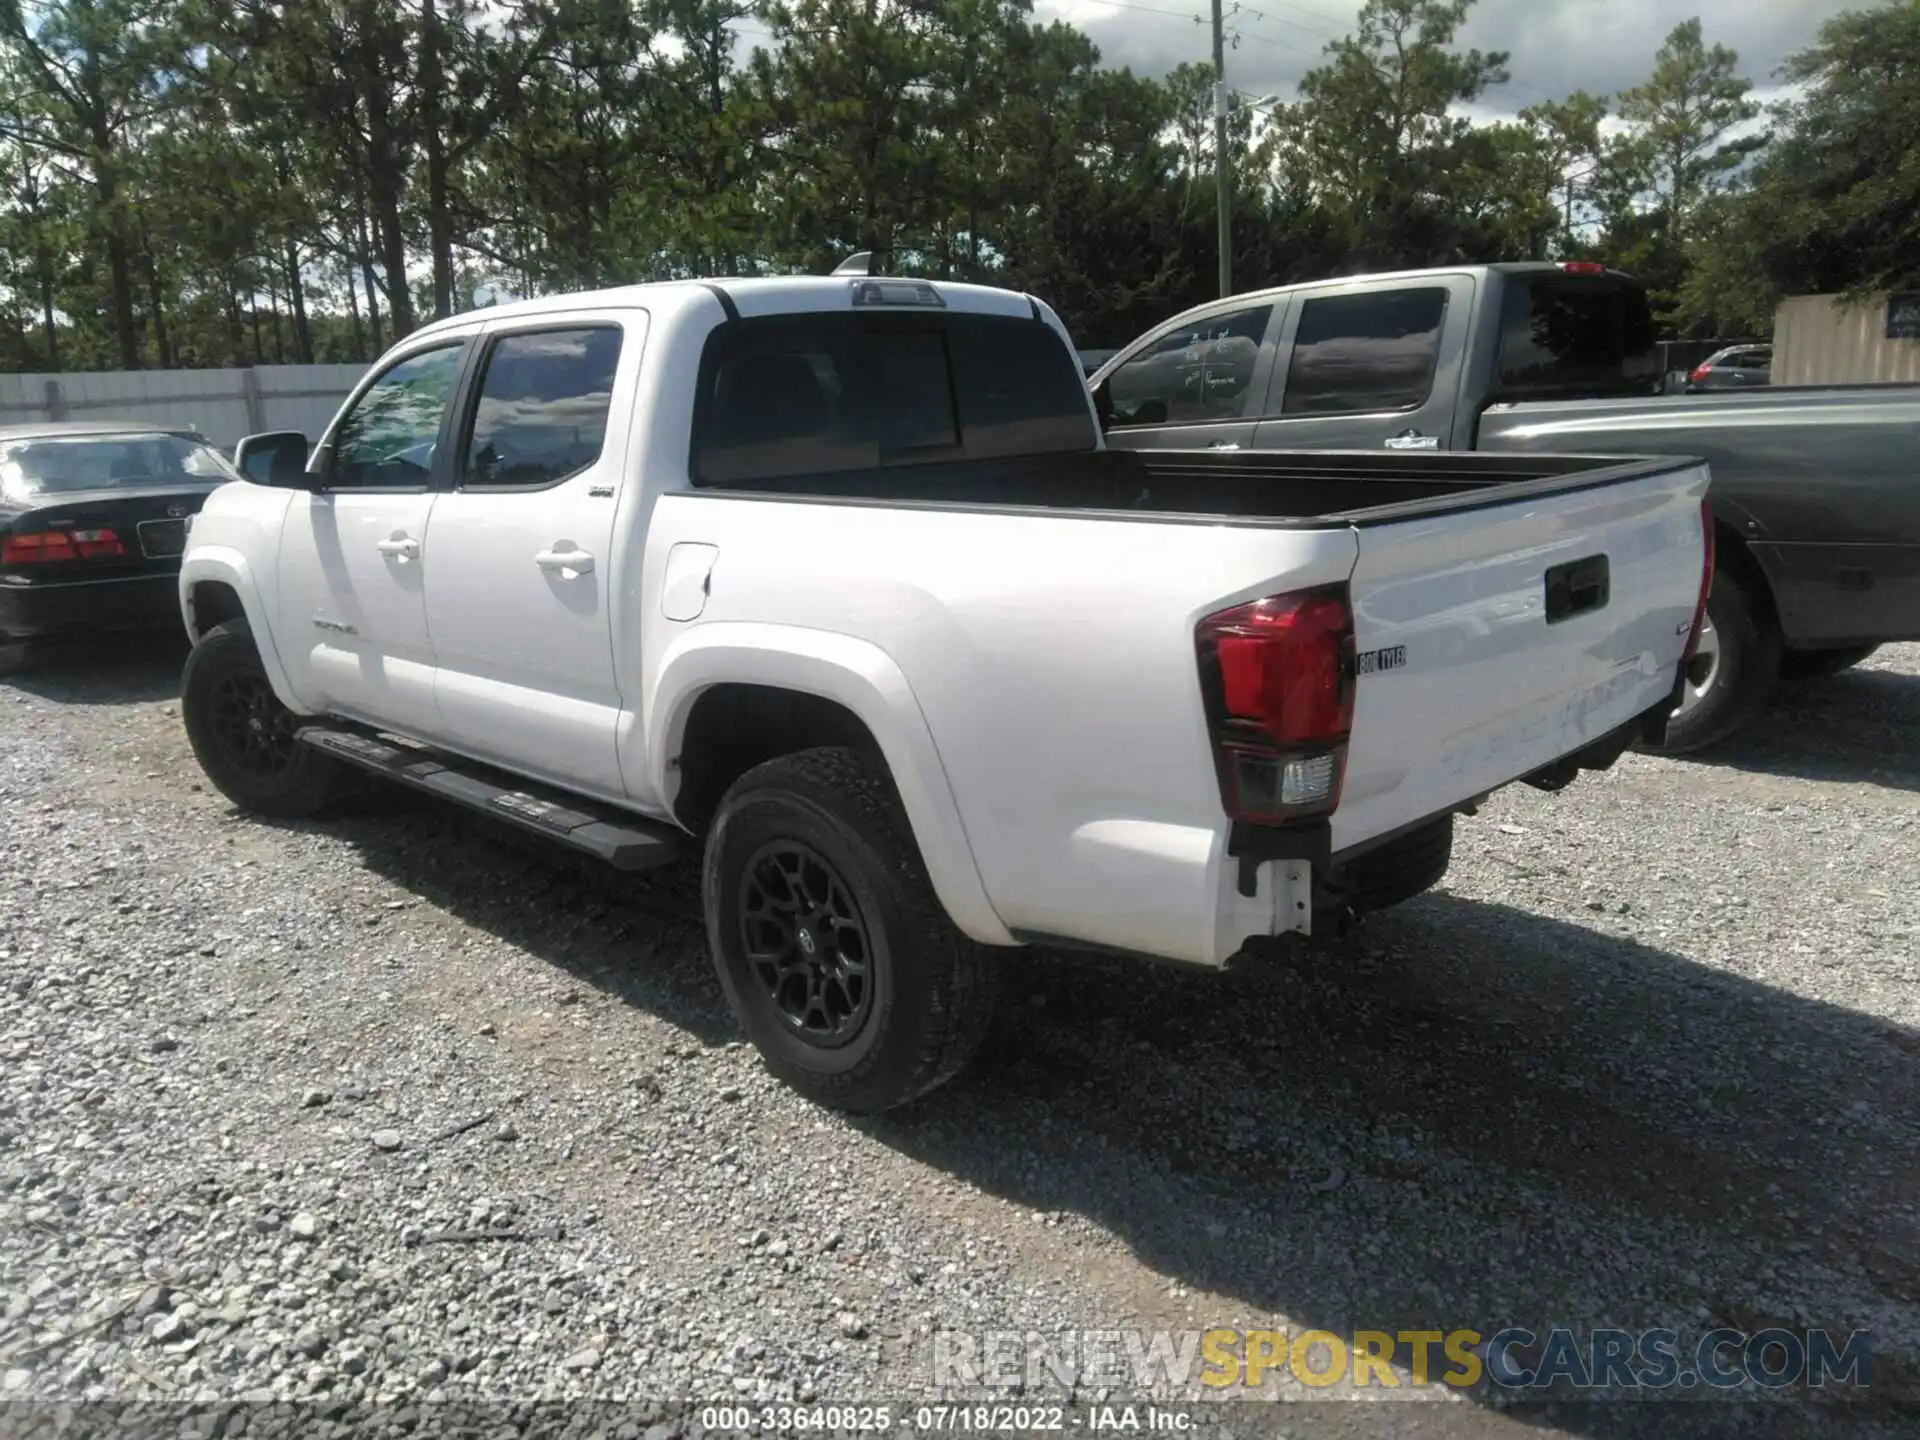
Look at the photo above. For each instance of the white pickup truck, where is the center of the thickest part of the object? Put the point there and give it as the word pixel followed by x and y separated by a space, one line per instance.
pixel 836 576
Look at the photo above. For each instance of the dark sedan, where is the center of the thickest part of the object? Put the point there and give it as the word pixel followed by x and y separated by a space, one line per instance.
pixel 93 520
pixel 1738 367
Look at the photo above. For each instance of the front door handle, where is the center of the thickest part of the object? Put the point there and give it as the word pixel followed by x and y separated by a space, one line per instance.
pixel 1223 445
pixel 401 547
pixel 567 562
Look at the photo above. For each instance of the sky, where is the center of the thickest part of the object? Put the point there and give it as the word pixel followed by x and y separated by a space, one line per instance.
pixel 1557 46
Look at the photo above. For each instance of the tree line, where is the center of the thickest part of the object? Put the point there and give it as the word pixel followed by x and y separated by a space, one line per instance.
pixel 229 182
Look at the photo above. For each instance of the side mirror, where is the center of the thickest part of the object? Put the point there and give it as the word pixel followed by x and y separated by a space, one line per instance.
pixel 278 458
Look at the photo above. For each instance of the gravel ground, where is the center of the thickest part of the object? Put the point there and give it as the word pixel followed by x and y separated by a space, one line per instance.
pixel 394 1108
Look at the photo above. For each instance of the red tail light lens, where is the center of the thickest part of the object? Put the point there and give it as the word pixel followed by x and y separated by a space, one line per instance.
pixel 38 549
pixel 1277 676
pixel 55 545
pixel 1700 373
pixel 1706 583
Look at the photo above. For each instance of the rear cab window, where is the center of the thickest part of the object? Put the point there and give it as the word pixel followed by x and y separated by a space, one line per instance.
pixel 787 396
pixel 1571 337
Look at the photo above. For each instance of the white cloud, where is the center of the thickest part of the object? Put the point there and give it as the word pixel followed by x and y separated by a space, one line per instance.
pixel 1557 46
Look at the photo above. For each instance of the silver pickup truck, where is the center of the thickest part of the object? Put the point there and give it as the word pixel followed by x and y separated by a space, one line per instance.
pixel 1816 491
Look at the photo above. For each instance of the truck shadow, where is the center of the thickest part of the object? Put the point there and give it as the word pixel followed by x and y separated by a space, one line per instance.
pixel 1466 1115
pixel 1860 725
pixel 98 670
pixel 640 938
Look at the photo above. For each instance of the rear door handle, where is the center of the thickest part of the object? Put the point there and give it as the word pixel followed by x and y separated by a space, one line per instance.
pixel 402 547
pixel 566 562
pixel 1223 445
pixel 1413 440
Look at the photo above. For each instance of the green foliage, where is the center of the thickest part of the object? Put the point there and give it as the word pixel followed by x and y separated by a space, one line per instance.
pixel 221 182
pixel 1836 199
pixel 1660 181
pixel 1377 137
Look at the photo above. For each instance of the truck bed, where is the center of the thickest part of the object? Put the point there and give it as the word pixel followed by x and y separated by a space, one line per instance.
pixel 1288 488
pixel 1820 483
pixel 1507 612
pixel 1837 464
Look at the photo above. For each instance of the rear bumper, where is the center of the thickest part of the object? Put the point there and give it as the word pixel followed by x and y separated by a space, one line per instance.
pixel 1843 594
pixel 1341 881
pixel 137 602
pixel 1203 894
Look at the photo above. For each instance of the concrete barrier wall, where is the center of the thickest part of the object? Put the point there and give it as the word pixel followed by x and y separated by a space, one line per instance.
pixel 223 405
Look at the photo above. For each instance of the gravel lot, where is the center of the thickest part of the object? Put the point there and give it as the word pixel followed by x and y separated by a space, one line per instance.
pixel 394 1107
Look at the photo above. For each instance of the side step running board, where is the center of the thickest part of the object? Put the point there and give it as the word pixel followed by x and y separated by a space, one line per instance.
pixel 623 841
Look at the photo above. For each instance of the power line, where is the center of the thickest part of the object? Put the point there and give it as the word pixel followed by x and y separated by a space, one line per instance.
pixel 1277 44
pixel 1153 10
pixel 1317 15
pixel 1262 15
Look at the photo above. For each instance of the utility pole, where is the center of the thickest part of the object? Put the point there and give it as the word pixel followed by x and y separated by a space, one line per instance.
pixel 1222 176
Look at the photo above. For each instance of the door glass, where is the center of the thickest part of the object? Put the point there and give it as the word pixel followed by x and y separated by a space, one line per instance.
pixel 542 413
pixel 1363 354
pixel 1201 371
pixel 387 439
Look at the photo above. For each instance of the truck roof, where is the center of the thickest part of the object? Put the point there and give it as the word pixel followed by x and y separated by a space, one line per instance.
pixel 773 295
pixel 94 429
pixel 1504 267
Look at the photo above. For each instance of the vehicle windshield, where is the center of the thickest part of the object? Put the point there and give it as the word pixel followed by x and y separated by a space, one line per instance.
pixel 66 464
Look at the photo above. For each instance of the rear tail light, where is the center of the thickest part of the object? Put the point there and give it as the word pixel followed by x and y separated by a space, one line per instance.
pixel 1277 676
pixel 1700 373
pixel 54 545
pixel 97 544
pixel 38 549
pixel 1706 583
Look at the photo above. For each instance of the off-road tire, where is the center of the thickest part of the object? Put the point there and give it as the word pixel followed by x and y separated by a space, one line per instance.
pixel 1749 667
pixel 300 780
pixel 932 991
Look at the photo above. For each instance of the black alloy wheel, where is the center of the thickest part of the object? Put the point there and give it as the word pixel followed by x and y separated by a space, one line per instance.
pixel 807 942
pixel 835 954
pixel 253 729
pixel 243 737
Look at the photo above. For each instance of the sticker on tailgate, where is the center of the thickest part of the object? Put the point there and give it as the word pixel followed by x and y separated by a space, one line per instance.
pixel 1393 657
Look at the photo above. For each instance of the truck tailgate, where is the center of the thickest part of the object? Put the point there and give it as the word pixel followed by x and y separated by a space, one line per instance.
pixel 1493 640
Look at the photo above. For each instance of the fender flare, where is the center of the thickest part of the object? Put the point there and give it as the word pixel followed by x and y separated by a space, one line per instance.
pixel 866 681
pixel 1737 516
pixel 224 565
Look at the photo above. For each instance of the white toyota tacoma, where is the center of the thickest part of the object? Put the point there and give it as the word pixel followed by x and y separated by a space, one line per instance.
pixel 834 580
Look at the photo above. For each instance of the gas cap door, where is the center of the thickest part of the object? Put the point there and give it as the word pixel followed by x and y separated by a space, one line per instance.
pixel 683 594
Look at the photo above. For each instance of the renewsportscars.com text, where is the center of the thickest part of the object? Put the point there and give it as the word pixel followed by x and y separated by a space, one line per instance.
pixel 1551 1359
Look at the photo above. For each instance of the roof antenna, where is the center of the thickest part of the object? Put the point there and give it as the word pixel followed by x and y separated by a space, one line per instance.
pixel 858 263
